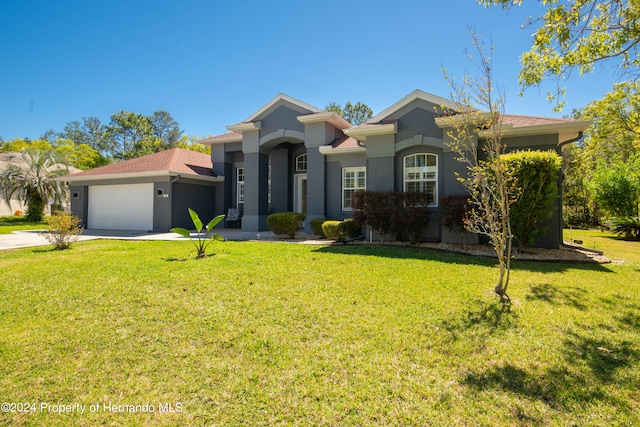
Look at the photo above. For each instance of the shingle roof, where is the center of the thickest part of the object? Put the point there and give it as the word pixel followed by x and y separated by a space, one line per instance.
pixel 175 159
pixel 345 142
pixel 525 121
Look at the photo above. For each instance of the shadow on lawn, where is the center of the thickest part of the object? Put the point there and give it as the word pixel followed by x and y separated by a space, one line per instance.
pixel 595 361
pixel 590 366
pixel 485 319
pixel 553 294
pixel 409 252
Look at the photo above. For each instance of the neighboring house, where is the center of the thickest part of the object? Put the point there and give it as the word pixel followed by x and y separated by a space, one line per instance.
pixel 292 156
pixel 9 208
pixel 146 193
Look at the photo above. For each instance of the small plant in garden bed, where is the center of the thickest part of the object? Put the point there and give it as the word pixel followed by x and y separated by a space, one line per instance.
pixel 203 239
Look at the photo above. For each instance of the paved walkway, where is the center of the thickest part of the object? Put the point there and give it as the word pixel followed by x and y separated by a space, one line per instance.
pixel 28 238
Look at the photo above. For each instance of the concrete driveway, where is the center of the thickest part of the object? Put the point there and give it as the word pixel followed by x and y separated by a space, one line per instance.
pixel 28 238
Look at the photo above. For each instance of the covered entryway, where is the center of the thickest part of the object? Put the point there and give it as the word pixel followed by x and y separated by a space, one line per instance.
pixel 121 207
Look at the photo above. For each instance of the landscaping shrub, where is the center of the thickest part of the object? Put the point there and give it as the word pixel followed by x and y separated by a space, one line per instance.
pixel 392 212
pixel 453 212
pixel 63 230
pixel 376 209
pixel 413 215
pixel 535 175
pixel 286 223
pixel 316 226
pixel 351 228
pixel 334 230
pixel 627 225
pixel 341 230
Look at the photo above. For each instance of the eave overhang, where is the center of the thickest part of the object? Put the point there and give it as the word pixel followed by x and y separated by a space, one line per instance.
pixel 325 116
pixel 133 175
pixel 221 139
pixel 362 132
pixel 329 150
pixel 245 126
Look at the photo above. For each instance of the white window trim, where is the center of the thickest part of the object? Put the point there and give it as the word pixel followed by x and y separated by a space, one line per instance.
pixel 355 188
pixel 301 159
pixel 434 204
pixel 240 172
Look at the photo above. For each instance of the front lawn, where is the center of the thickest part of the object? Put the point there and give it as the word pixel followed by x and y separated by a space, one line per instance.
pixel 9 224
pixel 287 334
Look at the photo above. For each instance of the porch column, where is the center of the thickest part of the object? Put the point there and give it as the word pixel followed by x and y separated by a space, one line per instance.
pixel 315 185
pixel 256 202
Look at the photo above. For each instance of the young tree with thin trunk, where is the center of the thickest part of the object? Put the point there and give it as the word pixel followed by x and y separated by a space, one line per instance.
pixel 476 138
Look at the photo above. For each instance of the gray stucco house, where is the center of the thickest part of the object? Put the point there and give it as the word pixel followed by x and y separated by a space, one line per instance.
pixel 292 156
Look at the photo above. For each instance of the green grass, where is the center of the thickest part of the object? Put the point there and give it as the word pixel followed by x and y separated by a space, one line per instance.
pixel 9 224
pixel 283 334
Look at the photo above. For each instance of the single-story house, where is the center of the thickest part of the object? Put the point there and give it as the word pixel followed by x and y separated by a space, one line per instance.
pixel 292 156
pixel 149 193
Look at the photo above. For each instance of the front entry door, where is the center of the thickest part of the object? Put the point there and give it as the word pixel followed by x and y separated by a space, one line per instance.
pixel 300 193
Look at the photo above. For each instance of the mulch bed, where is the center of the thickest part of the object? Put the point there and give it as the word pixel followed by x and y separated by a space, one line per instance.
pixel 567 253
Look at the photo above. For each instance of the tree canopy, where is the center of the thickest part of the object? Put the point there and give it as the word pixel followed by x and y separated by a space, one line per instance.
pixel 576 35
pixel 81 156
pixel 30 176
pixel 355 114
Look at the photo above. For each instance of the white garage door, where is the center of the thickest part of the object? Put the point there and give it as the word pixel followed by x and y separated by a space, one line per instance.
pixel 121 207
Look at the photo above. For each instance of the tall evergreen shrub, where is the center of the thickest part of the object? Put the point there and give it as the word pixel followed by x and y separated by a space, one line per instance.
pixel 535 187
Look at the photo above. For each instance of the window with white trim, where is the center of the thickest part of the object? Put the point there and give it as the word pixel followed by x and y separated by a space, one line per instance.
pixel 353 179
pixel 240 189
pixel 421 174
pixel 301 163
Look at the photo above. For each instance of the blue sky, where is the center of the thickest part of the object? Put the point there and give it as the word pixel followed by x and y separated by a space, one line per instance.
pixel 213 63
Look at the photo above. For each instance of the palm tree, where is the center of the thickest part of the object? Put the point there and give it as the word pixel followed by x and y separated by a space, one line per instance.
pixel 30 176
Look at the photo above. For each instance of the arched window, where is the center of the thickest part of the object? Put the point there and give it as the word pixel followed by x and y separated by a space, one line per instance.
pixel 421 174
pixel 301 163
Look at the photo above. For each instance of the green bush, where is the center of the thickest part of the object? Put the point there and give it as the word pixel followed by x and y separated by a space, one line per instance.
pixel 627 225
pixel 63 229
pixel 616 188
pixel 334 230
pixel 286 223
pixel 351 228
pixel 535 176
pixel 316 226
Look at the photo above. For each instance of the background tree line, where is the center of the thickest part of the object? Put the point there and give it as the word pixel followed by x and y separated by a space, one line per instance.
pixel 90 143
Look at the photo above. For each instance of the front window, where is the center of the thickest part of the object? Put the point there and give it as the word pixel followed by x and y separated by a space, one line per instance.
pixel 353 179
pixel 421 175
pixel 240 189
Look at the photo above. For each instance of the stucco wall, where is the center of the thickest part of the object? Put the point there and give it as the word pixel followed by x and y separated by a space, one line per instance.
pixel 200 198
pixel 334 166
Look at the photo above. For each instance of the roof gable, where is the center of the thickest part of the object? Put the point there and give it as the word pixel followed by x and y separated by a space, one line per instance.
pixel 412 97
pixel 279 100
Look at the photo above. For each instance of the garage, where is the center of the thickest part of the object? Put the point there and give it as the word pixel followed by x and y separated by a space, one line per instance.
pixel 120 207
